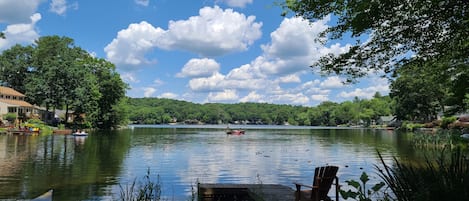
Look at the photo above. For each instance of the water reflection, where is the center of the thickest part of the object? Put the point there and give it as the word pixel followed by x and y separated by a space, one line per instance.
pixel 93 167
pixel 75 168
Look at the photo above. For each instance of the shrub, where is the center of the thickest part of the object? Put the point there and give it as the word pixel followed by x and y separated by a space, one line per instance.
pixel 61 126
pixel 459 125
pixel 446 121
pixel 409 126
pixel 10 117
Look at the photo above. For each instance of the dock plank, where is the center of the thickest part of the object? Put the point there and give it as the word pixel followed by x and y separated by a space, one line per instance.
pixel 248 192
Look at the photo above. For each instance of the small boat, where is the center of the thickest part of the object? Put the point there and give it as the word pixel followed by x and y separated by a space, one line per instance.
pixel 80 134
pixel 47 196
pixel 465 136
pixel 235 132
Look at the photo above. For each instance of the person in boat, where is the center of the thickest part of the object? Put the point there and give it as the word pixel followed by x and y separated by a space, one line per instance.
pixel 82 132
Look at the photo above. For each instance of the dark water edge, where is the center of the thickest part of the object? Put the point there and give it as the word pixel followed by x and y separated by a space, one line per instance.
pixel 94 168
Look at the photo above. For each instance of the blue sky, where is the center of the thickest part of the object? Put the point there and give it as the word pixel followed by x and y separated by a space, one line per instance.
pixel 224 51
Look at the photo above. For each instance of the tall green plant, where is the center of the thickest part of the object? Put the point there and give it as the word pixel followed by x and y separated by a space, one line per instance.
pixel 148 190
pixel 438 179
pixel 360 192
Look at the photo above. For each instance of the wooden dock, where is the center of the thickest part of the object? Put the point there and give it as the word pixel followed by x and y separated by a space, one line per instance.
pixel 245 192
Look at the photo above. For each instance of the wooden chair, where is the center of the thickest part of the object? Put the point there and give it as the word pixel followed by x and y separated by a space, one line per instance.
pixel 323 179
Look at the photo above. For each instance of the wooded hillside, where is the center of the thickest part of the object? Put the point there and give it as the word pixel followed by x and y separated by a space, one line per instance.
pixel 163 111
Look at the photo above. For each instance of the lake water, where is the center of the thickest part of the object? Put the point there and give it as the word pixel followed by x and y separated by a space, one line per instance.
pixel 98 166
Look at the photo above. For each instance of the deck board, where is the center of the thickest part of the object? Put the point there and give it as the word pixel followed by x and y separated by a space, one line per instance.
pixel 268 192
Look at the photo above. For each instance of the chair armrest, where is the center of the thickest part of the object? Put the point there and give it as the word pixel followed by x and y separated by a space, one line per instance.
pixel 298 186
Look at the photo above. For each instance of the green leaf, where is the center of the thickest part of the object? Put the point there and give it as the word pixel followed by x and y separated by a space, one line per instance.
pixel 364 178
pixel 378 186
pixel 348 194
pixel 353 183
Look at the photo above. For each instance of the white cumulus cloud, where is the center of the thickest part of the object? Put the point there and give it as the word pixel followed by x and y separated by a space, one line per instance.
pixel 237 3
pixel 332 82
pixel 378 85
pixel 293 99
pixel 213 32
pixel 293 46
pixel 131 45
pixel 212 83
pixel 320 97
pixel 199 68
pixel 149 91
pixel 292 78
pixel 129 77
pixel 17 11
pixel 21 33
pixel 58 6
pixel 253 97
pixel 169 95
pixel 226 95
pixel 142 2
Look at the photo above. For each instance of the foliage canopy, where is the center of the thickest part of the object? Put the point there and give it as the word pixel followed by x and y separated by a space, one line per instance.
pixel 431 30
pixel 56 74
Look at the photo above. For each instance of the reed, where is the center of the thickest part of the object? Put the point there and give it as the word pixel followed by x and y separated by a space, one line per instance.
pixel 443 178
pixel 147 190
pixel 438 140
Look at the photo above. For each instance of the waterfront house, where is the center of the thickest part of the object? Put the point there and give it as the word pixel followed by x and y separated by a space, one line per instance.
pixel 386 120
pixel 12 101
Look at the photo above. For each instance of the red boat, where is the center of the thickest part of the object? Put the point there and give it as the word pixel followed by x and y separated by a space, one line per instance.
pixel 235 132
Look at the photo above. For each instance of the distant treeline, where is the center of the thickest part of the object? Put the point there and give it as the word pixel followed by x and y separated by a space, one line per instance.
pixel 164 111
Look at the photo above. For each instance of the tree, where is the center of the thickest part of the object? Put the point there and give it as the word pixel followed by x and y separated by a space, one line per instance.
pixel 466 100
pixel 56 74
pixel 419 93
pixel 15 66
pixel 347 112
pixel 458 88
pixel 84 94
pixel 111 89
pixel 432 30
pixel 52 61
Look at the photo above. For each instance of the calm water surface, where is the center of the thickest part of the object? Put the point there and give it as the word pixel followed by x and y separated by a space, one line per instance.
pixel 97 166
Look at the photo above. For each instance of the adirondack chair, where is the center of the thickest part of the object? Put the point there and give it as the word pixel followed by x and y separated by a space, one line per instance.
pixel 323 179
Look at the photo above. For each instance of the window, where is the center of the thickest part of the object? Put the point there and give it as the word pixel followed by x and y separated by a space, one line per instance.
pixel 12 110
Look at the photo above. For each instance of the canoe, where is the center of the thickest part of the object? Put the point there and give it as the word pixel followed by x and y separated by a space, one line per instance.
pixel 47 196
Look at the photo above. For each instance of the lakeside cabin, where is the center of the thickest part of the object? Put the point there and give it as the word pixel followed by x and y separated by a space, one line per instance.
pixel 12 101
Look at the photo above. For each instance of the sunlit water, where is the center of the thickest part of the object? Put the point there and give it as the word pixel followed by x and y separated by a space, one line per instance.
pixel 99 166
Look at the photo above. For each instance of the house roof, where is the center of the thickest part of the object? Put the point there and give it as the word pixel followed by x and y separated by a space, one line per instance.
pixel 20 103
pixel 10 91
pixel 387 118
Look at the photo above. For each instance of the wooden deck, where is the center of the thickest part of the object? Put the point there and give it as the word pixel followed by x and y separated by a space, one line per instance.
pixel 245 192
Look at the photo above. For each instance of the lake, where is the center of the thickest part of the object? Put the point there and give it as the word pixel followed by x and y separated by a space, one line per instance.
pixel 98 166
